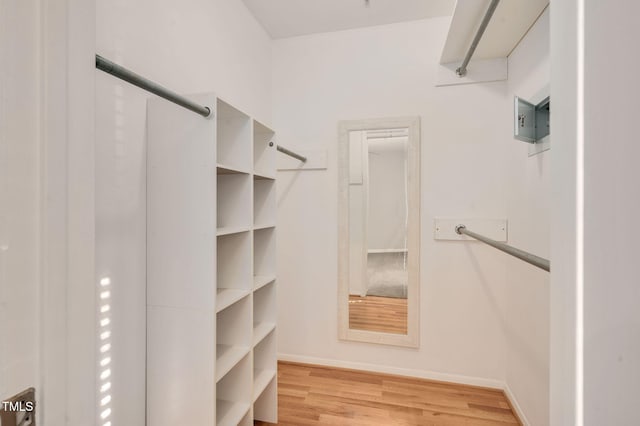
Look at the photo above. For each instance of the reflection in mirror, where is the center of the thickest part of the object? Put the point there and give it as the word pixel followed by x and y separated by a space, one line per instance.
pixel 378 231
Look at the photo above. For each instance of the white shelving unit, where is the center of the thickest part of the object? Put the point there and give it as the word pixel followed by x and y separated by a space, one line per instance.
pixel 211 299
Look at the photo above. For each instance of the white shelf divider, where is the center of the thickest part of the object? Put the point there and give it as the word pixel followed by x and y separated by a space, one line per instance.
pixel 230 413
pixel 264 226
pixel 261 330
pixel 228 296
pixel 223 169
pixel 260 281
pixel 258 175
pixel 227 357
pixel 228 230
pixel 260 382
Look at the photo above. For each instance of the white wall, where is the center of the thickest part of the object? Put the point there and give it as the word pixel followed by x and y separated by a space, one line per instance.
pixel 380 72
pixel 19 196
pixel 611 211
pixel 528 195
pixel 190 46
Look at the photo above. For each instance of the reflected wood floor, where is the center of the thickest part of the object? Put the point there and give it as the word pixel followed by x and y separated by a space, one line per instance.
pixel 375 313
pixel 316 395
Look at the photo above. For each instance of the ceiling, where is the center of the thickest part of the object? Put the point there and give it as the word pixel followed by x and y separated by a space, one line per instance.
pixel 289 18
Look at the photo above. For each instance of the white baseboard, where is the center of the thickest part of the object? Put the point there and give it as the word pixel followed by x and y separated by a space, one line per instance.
pixel 421 374
pixel 516 407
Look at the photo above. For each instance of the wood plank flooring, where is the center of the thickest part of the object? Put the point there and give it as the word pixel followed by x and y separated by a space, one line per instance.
pixel 375 313
pixel 316 395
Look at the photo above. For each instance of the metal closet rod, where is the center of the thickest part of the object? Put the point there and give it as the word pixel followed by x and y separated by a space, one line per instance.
pixel 150 86
pixel 291 153
pixel 122 73
pixel 462 69
pixel 540 262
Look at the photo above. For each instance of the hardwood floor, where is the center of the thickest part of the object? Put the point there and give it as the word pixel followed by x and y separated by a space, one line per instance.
pixel 375 313
pixel 316 395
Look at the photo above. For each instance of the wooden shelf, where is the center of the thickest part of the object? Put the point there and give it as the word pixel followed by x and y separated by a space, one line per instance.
pixel 261 379
pixel 261 330
pixel 227 357
pixel 228 296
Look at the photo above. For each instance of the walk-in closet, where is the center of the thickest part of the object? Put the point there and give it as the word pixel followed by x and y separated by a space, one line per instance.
pixel 329 212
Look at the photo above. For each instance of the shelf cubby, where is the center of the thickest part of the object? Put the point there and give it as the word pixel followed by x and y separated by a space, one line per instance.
pixel 264 203
pixel 234 202
pixel 233 136
pixel 264 311
pixel 264 379
pixel 265 407
pixel 264 364
pixel 232 405
pixel 264 252
pixel 234 260
pixel 234 336
pixel 228 296
pixel 264 151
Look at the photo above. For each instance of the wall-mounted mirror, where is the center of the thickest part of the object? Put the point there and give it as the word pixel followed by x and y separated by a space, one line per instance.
pixel 379 230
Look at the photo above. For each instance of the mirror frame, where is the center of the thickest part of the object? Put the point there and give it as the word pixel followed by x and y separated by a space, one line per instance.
pixel 411 339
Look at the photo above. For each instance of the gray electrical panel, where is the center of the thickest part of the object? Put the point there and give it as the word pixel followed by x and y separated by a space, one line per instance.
pixel 531 122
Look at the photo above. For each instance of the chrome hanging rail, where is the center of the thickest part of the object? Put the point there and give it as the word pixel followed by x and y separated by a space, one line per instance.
pixel 291 153
pixel 462 69
pixel 148 85
pixel 122 73
pixel 520 254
